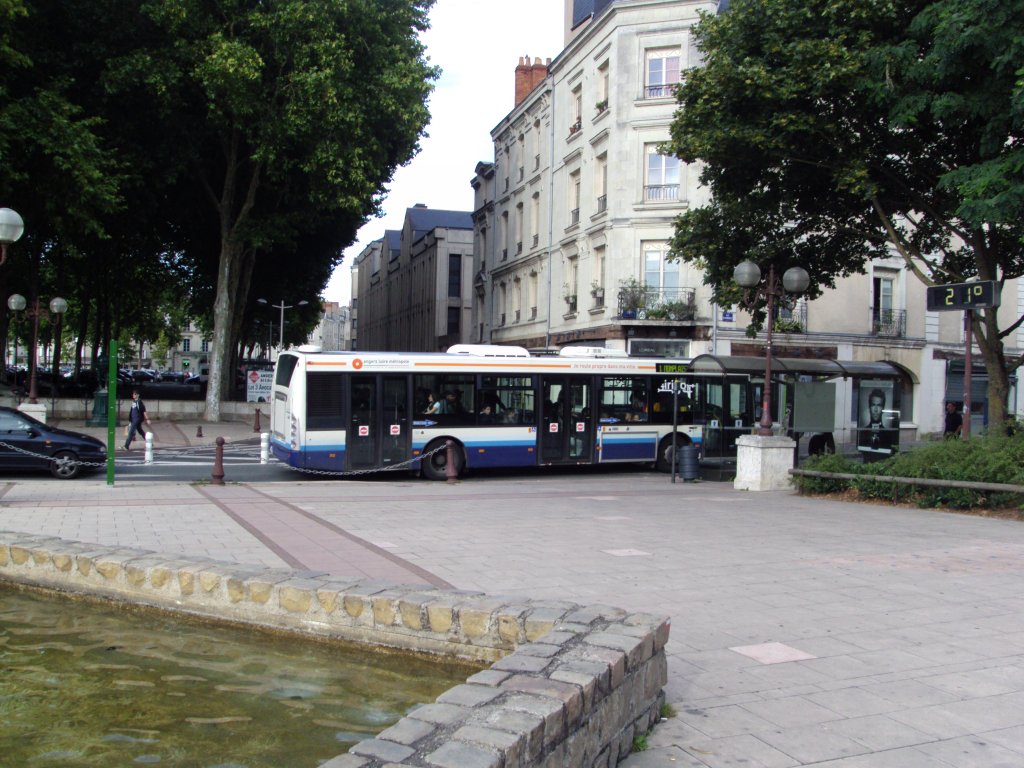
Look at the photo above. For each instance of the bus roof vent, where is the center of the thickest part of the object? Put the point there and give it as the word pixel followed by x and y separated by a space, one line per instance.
pixel 592 352
pixel 487 350
pixel 310 348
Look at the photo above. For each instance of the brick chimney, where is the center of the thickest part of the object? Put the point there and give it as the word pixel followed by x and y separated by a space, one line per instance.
pixel 529 76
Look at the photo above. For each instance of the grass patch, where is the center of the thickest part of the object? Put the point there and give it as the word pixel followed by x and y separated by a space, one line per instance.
pixel 640 744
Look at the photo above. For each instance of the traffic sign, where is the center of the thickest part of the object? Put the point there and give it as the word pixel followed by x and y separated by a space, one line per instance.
pixel 960 296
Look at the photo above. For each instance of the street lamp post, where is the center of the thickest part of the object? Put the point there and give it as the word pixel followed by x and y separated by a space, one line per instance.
pixel 11 228
pixel 794 281
pixel 16 303
pixel 282 306
pixel 58 306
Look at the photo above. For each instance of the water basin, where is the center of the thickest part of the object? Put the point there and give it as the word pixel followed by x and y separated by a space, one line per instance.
pixel 85 684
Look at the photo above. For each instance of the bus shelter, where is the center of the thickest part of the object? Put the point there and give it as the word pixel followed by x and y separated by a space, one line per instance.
pixel 813 398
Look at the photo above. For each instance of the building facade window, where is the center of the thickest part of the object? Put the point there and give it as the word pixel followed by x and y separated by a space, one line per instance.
pixel 660 272
pixel 601 182
pixel 663 65
pixel 454 275
pixel 454 316
pixel 663 175
pixel 520 216
pixel 186 345
pixel 535 218
pixel 204 346
pixel 574 198
pixel 577 109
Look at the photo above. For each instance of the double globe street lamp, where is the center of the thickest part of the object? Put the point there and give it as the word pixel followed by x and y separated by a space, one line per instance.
pixel 794 281
pixel 58 307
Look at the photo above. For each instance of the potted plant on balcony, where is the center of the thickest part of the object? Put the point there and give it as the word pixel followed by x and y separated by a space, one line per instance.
pixel 597 290
pixel 632 297
pixel 601 106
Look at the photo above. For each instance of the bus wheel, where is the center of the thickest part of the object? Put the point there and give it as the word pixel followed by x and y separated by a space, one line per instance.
pixel 667 451
pixel 435 467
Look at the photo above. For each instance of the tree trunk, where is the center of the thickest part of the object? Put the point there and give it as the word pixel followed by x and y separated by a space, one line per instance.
pixel 986 332
pixel 223 312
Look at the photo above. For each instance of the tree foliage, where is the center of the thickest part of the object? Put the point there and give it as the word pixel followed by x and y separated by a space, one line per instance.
pixel 181 152
pixel 832 132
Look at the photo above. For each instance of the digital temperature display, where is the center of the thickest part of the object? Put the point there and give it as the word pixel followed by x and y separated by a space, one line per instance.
pixel 961 296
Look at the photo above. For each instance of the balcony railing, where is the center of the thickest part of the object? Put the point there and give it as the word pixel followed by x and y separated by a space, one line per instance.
pixel 791 320
pixel 888 322
pixel 533 313
pixel 576 127
pixel 518 313
pixel 536 162
pixel 665 91
pixel 602 203
pixel 501 320
pixel 519 247
pixel 574 216
pixel 536 240
pixel 638 302
pixel 661 192
pixel 522 172
pixel 504 254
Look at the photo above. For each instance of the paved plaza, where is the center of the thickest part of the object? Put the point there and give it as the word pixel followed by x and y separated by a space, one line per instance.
pixel 805 632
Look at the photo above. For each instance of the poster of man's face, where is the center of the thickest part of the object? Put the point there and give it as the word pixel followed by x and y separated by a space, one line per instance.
pixel 878 421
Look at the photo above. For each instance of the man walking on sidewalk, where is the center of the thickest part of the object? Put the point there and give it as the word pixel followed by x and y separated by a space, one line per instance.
pixel 135 418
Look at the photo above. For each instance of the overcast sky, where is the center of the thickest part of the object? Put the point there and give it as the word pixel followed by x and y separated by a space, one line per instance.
pixel 477 44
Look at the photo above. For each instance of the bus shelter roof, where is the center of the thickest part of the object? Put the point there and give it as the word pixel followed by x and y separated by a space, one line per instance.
pixel 794 366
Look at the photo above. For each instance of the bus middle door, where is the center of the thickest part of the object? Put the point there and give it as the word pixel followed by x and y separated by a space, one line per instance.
pixel 567 425
pixel 379 436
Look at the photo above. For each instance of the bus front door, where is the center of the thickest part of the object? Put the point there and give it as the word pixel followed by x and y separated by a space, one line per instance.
pixel 567 424
pixel 380 435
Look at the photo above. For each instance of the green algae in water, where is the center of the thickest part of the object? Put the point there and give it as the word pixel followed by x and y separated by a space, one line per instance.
pixel 89 685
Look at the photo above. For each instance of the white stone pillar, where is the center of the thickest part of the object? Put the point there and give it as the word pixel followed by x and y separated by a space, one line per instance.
pixel 763 463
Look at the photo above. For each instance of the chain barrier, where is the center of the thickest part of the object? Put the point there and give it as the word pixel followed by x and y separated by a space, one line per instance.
pixel 62 461
pixel 371 471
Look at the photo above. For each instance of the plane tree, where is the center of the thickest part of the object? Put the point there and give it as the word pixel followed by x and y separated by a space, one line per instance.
pixel 287 114
pixel 831 132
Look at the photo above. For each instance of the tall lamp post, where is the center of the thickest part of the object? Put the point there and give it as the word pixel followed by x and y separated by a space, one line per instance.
pixel 794 281
pixel 58 306
pixel 11 228
pixel 16 304
pixel 282 306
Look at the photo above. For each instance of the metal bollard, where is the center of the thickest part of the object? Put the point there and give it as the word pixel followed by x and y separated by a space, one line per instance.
pixel 256 427
pixel 264 448
pixel 149 449
pixel 217 476
pixel 450 474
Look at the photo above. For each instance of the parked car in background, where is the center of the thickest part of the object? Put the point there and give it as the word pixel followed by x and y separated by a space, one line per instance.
pixel 27 445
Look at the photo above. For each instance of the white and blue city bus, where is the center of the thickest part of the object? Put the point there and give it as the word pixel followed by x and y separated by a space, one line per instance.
pixel 502 407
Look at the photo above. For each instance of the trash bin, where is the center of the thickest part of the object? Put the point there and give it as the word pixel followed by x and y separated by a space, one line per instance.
pixel 689 464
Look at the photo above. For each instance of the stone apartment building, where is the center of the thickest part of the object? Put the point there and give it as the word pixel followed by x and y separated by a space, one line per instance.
pixel 572 222
pixel 415 285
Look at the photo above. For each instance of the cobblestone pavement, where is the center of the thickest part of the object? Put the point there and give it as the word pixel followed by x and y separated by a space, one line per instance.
pixel 805 632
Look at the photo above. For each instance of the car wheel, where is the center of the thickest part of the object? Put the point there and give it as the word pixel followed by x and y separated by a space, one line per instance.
pixel 64 465
pixel 435 467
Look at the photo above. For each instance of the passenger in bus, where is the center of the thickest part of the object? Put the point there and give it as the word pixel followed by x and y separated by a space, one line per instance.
pixel 486 415
pixel 434 406
pixel 490 398
pixel 453 403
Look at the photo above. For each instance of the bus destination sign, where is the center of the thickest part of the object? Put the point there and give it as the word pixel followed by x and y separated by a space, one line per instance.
pixel 961 296
pixel 672 367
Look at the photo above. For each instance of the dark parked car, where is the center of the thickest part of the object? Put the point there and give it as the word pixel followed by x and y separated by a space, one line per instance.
pixel 27 444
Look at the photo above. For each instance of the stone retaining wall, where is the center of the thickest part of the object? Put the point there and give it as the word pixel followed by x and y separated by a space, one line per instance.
pixel 570 685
